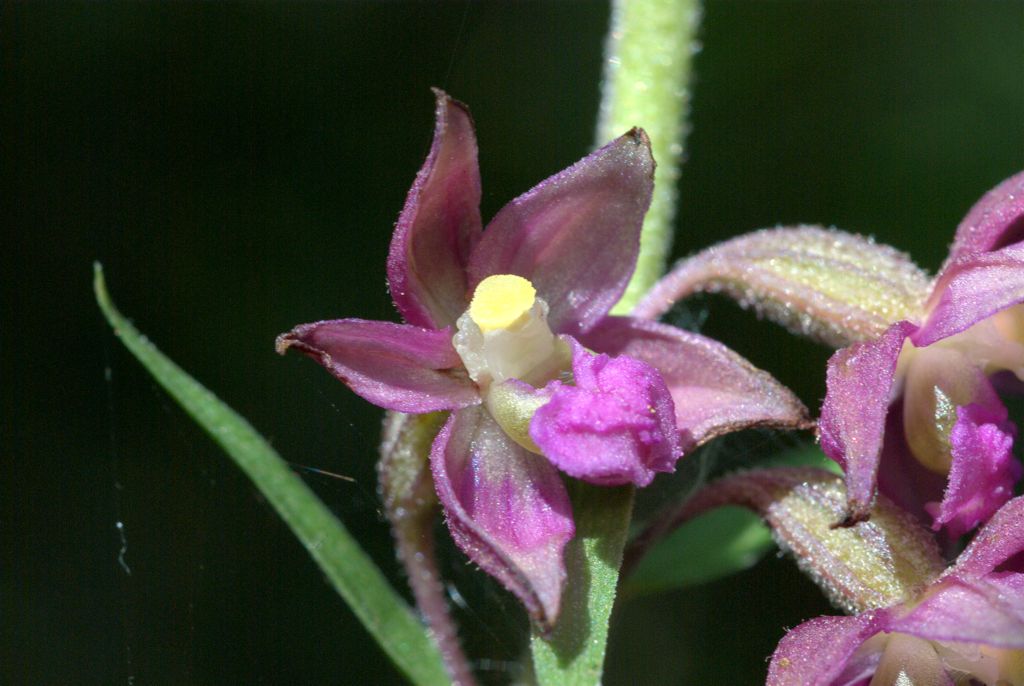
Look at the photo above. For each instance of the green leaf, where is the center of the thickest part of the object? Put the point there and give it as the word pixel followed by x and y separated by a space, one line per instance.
pixel 359 582
pixel 719 543
pixel 716 544
pixel 573 654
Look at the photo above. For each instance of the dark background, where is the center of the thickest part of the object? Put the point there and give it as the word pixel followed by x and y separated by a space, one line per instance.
pixel 238 169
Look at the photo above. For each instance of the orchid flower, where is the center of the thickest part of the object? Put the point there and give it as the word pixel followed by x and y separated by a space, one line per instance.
pixel 508 329
pixel 912 619
pixel 911 407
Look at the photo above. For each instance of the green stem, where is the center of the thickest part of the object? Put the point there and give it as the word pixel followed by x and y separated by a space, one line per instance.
pixel 647 66
pixel 352 573
pixel 573 654
pixel 646 79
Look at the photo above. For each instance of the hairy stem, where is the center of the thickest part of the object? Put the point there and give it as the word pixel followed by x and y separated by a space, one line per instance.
pixel 415 546
pixel 646 83
pixel 411 506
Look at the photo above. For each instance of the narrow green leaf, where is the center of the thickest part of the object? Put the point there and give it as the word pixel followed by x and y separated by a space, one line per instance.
pixel 573 655
pixel 716 544
pixel 381 610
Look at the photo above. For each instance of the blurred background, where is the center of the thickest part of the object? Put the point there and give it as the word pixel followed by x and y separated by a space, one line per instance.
pixel 238 170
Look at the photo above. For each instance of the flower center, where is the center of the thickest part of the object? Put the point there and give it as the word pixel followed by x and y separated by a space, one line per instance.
pixel 510 351
pixel 505 335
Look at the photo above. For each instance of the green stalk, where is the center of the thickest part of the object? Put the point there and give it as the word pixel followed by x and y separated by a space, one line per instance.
pixel 352 573
pixel 573 654
pixel 647 65
pixel 646 83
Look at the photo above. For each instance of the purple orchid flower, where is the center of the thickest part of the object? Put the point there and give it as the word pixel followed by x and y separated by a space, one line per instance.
pixel 508 329
pixel 911 407
pixel 966 627
pixel 912 619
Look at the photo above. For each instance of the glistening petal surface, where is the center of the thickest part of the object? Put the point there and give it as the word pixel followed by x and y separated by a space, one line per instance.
pixel 506 507
pixel 614 425
pixel 439 224
pixel 972 289
pixel 817 652
pixel 852 424
pixel 966 611
pixel 984 469
pixel 995 221
pixel 394 366
pixel 830 285
pixel 576 235
pixel 715 391
pixel 1000 539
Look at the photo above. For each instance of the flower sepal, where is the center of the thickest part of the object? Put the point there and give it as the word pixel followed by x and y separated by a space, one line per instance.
pixel 863 567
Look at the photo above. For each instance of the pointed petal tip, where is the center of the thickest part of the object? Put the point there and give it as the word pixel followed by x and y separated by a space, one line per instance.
pixel 443 102
pixel 856 513
pixel 294 339
pixel 282 343
pixel 639 136
pixel 439 223
pixel 394 366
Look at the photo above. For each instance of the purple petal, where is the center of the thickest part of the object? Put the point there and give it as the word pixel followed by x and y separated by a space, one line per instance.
pixel 715 391
pixel 860 383
pixel 994 222
pixel 507 509
pixel 818 651
pixel 984 470
pixel 1000 539
pixel 972 289
pixel 439 224
pixel 394 366
pixel 614 426
pixel 576 235
pixel 967 611
pixel 829 285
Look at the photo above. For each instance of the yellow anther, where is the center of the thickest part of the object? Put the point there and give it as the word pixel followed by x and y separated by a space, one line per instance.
pixel 500 301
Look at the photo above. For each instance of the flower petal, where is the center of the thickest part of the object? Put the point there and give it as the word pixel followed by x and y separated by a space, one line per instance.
pixel 818 651
pixel 967 611
pixel 828 285
pixel 995 221
pixel 614 426
pixel 507 509
pixel 1000 539
pixel 860 383
pixel 972 289
pixel 983 471
pixel 439 224
pixel 715 391
pixel 394 366
pixel 576 235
